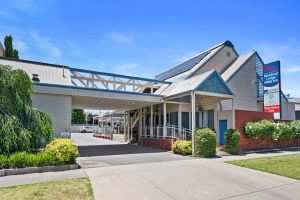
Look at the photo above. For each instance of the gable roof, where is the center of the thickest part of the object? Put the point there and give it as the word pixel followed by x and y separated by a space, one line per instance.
pixel 192 83
pixel 190 63
pixel 236 65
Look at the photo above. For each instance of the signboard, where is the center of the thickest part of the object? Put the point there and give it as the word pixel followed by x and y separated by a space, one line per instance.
pixel 271 78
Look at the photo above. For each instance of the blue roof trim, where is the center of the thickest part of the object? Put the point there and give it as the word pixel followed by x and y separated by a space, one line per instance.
pixel 118 75
pixel 215 76
pixel 95 89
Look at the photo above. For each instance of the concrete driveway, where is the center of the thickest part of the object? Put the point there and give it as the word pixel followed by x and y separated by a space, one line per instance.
pixel 121 171
pixel 189 179
pixel 97 152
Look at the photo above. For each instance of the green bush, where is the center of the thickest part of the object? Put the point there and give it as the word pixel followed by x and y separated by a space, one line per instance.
pixel 182 147
pixel 263 129
pixel 23 159
pixel 65 150
pixel 295 126
pixel 18 160
pixel 3 162
pixel 205 143
pixel 283 131
pixel 232 141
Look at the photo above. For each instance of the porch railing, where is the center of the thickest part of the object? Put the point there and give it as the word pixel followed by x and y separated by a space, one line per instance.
pixel 173 132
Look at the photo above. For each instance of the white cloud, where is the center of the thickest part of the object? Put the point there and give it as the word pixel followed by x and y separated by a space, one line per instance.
pixel 19 45
pixel 46 44
pixel 6 14
pixel 134 69
pixel 175 59
pixel 122 37
pixel 28 6
pixel 291 69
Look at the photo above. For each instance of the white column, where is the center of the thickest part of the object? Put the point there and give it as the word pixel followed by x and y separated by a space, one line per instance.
pixel 165 120
pixel 140 124
pixel 179 118
pixel 151 121
pixel 144 122
pixel 193 121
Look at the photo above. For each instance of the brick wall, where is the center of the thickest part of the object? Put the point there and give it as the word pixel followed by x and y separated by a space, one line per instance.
pixel 241 117
pixel 165 144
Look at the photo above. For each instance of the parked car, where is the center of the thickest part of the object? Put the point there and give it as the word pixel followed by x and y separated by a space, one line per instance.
pixel 86 129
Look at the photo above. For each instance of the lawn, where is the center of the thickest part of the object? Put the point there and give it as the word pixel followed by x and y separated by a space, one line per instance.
pixel 288 166
pixel 66 189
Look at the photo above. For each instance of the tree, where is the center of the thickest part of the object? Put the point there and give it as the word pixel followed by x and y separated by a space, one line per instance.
pixel 9 50
pixel 22 128
pixel 78 116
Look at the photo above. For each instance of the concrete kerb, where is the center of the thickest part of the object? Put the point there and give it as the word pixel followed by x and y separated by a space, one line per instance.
pixel 29 170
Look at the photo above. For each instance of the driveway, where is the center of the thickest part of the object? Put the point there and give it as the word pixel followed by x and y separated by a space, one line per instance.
pixel 189 179
pixel 97 152
pixel 122 171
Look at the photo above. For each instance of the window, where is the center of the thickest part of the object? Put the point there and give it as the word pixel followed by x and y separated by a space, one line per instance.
pixel 228 54
pixel 211 120
pixel 185 117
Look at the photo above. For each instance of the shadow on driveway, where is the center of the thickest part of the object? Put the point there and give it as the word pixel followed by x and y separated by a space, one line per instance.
pixel 115 149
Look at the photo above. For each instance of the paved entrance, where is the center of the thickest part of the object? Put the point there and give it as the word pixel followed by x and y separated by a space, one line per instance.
pixel 97 152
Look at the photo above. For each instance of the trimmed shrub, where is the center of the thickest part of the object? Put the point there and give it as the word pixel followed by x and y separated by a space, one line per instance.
pixel 182 147
pixel 3 162
pixel 18 160
pixel 23 159
pixel 283 131
pixel 65 150
pixel 264 129
pixel 232 141
pixel 205 143
pixel 295 126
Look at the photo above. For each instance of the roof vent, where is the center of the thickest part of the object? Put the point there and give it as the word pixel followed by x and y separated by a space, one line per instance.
pixel 35 78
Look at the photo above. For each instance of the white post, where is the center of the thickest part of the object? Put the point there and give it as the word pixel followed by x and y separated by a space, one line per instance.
pixel 151 122
pixel 140 124
pixel 193 121
pixel 144 122
pixel 179 120
pixel 165 120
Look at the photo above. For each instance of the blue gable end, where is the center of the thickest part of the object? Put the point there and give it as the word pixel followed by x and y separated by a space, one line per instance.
pixel 215 84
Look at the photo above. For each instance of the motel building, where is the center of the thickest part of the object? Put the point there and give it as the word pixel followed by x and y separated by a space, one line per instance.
pixel 217 88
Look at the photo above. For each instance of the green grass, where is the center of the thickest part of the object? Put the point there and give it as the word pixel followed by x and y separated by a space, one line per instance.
pixel 67 189
pixel 288 166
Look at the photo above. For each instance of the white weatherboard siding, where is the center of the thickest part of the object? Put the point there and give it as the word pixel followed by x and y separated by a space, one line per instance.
pixel 58 107
pixel 288 110
pixel 244 86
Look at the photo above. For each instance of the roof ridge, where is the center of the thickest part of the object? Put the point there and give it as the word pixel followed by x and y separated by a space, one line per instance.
pixel 34 62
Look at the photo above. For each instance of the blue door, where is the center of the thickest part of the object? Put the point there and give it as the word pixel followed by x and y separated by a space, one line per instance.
pixel 222 130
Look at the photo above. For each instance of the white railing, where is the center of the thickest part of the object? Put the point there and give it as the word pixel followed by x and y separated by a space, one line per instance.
pixel 173 132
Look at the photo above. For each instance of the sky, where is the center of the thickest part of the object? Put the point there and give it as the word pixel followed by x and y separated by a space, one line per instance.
pixel 143 38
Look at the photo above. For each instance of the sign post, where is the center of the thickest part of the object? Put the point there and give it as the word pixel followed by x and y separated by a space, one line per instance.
pixel 272 87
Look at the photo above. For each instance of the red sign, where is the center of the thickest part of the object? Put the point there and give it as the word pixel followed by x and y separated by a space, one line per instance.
pixel 272 109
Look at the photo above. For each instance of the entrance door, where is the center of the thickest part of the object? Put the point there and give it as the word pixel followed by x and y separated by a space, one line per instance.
pixel 222 130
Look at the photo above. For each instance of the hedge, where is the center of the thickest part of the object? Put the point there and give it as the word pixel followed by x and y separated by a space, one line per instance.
pixel 182 147
pixel 232 141
pixel 205 143
pixel 266 129
pixel 23 159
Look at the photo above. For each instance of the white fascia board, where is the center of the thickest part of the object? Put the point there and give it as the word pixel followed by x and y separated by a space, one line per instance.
pixel 98 94
pixel 214 94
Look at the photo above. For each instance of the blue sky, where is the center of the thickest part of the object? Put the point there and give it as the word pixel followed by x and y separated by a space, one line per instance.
pixel 143 38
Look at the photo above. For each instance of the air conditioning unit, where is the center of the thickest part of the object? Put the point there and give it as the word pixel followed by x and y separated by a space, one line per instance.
pixel 199 108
